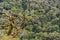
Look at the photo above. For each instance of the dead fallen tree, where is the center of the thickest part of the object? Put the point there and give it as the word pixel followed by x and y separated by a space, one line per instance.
pixel 12 24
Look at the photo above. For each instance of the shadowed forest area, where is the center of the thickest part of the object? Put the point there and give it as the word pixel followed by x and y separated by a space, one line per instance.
pixel 29 19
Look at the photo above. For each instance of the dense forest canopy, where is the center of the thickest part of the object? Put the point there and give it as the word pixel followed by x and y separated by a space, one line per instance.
pixel 30 19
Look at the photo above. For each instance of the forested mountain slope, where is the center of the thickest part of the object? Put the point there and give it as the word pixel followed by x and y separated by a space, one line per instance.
pixel 42 19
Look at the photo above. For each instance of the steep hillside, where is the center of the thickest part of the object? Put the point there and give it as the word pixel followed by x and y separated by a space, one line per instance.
pixel 30 19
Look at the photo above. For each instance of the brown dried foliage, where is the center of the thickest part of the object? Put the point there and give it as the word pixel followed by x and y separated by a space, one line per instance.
pixel 10 25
